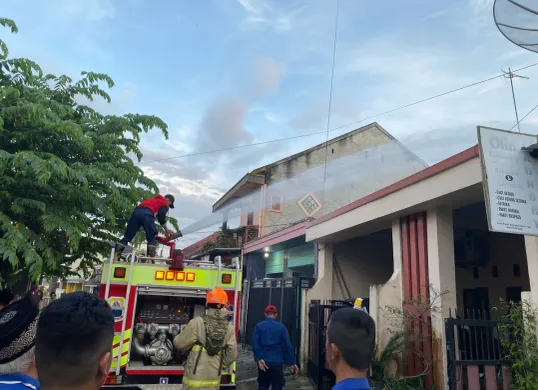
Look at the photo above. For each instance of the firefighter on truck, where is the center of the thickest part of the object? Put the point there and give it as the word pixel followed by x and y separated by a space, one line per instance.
pixel 144 216
pixel 210 343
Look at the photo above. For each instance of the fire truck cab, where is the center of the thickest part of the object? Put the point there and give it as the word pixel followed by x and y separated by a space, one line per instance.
pixel 153 299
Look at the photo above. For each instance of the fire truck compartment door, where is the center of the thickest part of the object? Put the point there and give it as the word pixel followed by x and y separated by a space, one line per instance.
pixel 172 291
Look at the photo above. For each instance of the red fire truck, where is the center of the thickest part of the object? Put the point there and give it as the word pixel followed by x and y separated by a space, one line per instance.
pixel 153 299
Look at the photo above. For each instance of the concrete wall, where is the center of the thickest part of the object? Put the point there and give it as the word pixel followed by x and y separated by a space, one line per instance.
pixel 505 251
pixel 363 261
pixel 357 165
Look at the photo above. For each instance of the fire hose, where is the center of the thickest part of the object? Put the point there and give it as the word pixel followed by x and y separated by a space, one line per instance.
pixel 176 255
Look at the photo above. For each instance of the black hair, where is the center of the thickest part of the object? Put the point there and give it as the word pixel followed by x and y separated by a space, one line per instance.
pixel 353 332
pixel 6 296
pixel 73 333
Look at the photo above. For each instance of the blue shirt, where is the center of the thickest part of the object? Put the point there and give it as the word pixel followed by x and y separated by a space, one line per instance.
pixel 352 384
pixel 18 382
pixel 271 343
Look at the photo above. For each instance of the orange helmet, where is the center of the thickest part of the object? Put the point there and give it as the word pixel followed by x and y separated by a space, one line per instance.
pixel 217 296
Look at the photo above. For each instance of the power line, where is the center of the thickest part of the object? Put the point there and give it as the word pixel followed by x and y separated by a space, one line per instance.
pixel 330 103
pixel 339 127
pixel 521 120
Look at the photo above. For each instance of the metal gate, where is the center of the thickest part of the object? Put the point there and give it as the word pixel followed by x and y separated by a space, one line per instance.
pixel 319 313
pixel 285 294
pixel 474 355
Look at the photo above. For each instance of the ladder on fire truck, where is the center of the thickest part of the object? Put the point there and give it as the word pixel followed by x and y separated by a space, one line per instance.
pixel 133 259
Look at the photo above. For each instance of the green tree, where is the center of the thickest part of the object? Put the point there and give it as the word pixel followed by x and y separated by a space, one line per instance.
pixel 68 184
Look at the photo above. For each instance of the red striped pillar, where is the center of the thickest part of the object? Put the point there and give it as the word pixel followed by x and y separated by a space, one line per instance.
pixel 414 239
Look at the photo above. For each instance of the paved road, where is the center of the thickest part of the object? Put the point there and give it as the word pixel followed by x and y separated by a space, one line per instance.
pixel 247 373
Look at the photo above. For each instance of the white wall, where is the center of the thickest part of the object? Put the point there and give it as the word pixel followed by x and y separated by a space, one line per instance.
pixel 363 261
pixel 357 165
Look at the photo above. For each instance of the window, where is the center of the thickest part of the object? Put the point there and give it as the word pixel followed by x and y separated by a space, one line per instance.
pixel 275 204
pixel 309 204
pixel 517 270
pixel 250 219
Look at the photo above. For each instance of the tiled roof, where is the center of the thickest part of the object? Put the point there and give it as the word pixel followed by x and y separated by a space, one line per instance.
pixel 197 246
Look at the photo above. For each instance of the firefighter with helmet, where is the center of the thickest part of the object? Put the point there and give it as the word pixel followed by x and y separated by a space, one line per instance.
pixel 210 343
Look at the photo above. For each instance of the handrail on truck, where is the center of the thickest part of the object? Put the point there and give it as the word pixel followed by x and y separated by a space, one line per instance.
pixel 235 312
pixel 124 320
pixel 109 277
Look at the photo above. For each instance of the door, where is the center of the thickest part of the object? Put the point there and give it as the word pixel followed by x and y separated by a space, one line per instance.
pixel 476 303
pixel 513 294
pixel 479 341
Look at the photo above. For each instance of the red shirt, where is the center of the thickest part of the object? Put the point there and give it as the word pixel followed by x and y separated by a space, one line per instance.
pixel 154 204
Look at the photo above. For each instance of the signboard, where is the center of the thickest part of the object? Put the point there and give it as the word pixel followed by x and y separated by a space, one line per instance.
pixel 510 178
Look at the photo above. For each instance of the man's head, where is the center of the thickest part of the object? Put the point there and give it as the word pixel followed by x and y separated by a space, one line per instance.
pixel 52 295
pixel 6 296
pixel 74 342
pixel 350 340
pixel 18 324
pixel 170 199
pixel 271 311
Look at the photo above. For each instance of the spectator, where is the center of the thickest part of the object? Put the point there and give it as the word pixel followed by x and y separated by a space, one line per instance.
pixel 74 342
pixel 18 323
pixel 349 348
pixel 6 296
pixel 272 347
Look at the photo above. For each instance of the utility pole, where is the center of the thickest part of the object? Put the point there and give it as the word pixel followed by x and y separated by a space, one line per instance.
pixel 510 75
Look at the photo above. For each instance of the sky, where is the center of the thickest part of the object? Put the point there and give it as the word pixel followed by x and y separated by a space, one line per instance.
pixel 229 73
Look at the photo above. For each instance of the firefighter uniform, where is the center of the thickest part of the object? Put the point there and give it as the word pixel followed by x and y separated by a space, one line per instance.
pixel 210 343
pixel 144 216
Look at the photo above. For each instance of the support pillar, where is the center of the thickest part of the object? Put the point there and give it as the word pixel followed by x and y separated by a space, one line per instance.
pixel 322 289
pixel 531 249
pixel 416 291
pixel 442 275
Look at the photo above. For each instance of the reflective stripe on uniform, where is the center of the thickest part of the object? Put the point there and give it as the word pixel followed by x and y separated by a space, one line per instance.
pixel 198 348
pixel 232 369
pixel 200 382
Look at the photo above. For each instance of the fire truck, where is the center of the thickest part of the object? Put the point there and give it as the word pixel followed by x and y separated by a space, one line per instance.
pixel 153 299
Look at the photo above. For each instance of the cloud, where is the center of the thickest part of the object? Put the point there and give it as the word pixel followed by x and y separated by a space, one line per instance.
pixel 268 74
pixel 314 116
pixel 223 125
pixel 260 16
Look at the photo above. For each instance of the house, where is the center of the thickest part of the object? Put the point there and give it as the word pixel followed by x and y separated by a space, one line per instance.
pixel 427 236
pixel 279 200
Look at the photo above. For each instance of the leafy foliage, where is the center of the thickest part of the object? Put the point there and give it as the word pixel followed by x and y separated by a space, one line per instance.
pixel 407 325
pixel 519 341
pixel 68 183
pixel 227 238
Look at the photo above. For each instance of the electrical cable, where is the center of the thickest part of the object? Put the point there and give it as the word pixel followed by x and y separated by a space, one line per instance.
pixel 330 103
pixel 521 120
pixel 339 127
